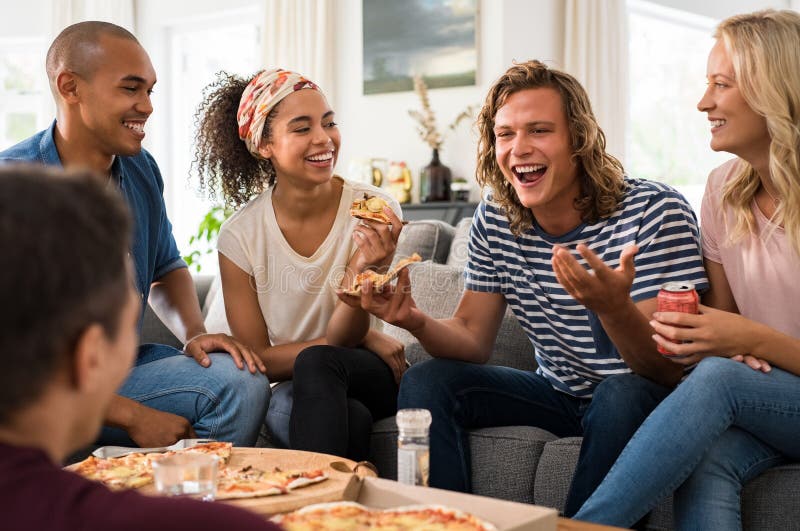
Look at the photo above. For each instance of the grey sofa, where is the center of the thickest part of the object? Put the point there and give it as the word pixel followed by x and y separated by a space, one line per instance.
pixel 519 463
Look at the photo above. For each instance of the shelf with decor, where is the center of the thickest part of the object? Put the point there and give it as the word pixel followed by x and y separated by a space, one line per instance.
pixel 451 211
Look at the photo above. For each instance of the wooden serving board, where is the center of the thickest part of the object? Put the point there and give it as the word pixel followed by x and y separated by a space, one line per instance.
pixel 338 486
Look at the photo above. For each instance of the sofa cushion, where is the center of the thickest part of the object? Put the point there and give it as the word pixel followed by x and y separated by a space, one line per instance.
pixel 436 289
pixel 459 249
pixel 770 500
pixel 429 238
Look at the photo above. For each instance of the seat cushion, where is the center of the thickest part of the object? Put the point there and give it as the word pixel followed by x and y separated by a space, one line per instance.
pixel 429 238
pixel 459 248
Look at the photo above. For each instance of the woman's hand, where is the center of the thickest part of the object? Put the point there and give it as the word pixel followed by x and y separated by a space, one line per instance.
pixel 376 241
pixel 712 332
pixel 602 289
pixel 390 350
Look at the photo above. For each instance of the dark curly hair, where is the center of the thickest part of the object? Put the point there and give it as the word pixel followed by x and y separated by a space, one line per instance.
pixel 601 175
pixel 221 159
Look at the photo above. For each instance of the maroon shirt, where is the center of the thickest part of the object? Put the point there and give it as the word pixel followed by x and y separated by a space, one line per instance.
pixel 35 494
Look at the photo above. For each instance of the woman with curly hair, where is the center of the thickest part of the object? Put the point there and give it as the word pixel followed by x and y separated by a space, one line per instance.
pixel 270 145
pixel 738 413
pixel 553 191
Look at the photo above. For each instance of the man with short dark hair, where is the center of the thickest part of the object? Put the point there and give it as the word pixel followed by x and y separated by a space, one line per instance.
pixel 102 80
pixel 70 327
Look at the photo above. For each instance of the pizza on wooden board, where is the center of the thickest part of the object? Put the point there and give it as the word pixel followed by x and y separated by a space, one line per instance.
pixel 251 482
pixel 379 280
pixel 350 515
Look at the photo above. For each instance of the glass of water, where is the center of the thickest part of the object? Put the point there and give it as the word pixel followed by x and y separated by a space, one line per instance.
pixel 187 474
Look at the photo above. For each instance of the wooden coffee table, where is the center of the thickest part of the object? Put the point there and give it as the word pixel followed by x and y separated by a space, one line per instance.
pixel 567 524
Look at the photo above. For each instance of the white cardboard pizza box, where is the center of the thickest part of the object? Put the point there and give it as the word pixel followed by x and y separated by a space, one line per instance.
pixel 505 515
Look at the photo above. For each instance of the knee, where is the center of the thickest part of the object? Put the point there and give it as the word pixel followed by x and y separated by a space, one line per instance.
pixel 235 384
pixel 715 376
pixel 423 382
pixel 625 399
pixel 314 359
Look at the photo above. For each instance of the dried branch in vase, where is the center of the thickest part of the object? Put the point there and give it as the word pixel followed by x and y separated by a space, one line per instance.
pixel 426 118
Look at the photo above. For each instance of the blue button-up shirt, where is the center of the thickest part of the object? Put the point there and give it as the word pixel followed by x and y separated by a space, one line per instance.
pixel 154 251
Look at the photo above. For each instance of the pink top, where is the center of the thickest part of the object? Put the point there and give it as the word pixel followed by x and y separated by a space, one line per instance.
pixel 763 269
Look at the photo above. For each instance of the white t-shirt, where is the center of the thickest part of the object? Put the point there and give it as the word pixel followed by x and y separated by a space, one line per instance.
pixel 296 294
pixel 762 268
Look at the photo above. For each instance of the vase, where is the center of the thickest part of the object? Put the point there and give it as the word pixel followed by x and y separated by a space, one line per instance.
pixel 434 181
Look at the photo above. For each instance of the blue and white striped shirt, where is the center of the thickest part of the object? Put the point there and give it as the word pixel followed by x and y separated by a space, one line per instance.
pixel 572 349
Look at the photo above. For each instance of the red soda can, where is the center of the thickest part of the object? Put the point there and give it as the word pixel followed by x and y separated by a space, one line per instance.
pixel 677 297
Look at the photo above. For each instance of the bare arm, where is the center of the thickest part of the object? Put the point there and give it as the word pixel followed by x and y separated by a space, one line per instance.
pixel 247 322
pixel 174 299
pixel 376 244
pixel 468 336
pixel 719 330
pixel 147 426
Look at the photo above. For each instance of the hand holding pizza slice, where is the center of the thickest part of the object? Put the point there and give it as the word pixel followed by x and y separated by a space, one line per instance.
pixel 380 280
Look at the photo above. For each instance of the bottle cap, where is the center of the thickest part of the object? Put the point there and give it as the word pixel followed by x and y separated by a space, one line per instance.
pixel 413 420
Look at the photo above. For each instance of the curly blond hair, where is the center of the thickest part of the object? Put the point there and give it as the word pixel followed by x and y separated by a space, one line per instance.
pixel 601 175
pixel 764 50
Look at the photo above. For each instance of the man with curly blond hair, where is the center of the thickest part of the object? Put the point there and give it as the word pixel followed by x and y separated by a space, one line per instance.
pixel 558 238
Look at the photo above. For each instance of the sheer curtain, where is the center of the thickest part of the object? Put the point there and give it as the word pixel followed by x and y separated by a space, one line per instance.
pixel 66 12
pixel 596 53
pixel 298 35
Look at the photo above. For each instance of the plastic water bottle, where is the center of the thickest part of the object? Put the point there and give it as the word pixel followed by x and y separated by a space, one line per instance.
pixel 413 446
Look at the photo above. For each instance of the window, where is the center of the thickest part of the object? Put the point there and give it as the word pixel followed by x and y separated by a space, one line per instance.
pixel 198 51
pixel 668 138
pixel 24 94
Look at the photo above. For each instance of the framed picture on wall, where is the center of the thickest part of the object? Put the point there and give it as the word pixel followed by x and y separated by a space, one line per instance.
pixel 432 38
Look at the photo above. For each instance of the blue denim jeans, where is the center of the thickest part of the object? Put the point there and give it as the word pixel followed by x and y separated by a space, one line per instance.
pixel 465 396
pixel 722 426
pixel 222 402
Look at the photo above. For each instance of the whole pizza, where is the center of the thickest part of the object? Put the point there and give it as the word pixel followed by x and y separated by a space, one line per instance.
pixel 354 516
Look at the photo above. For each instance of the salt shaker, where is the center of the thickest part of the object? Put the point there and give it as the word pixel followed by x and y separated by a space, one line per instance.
pixel 413 446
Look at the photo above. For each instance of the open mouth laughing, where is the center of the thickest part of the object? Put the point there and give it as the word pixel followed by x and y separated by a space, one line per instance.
pixel 321 159
pixel 529 174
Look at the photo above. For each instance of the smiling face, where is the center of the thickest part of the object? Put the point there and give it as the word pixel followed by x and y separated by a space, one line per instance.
pixel 534 152
pixel 735 126
pixel 304 139
pixel 114 99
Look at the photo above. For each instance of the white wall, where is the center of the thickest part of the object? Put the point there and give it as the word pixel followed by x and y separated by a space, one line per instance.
pixel 29 18
pixel 379 126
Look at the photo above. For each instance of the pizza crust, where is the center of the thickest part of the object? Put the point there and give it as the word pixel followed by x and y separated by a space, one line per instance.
pixel 380 280
pixel 351 515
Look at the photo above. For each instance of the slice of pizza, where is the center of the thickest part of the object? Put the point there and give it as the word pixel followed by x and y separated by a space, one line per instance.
pixel 251 482
pixel 220 449
pixel 128 472
pixel 379 280
pixel 371 208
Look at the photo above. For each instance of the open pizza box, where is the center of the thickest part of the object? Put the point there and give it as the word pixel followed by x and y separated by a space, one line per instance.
pixel 505 515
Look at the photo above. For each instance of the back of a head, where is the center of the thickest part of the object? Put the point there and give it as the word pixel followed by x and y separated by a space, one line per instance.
pixel 76 48
pixel 66 239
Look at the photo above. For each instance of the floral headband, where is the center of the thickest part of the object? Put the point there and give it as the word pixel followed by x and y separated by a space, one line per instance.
pixel 260 96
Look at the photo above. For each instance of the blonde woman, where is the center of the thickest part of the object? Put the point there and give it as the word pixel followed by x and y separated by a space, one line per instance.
pixel 738 413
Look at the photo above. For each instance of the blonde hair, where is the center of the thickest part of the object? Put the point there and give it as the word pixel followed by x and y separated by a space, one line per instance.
pixel 764 48
pixel 600 174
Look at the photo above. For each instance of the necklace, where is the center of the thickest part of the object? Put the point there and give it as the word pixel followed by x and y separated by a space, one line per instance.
pixel 774 201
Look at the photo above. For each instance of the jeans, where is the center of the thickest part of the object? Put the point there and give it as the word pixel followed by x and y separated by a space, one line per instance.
pixel 704 431
pixel 464 396
pixel 221 402
pixel 332 401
